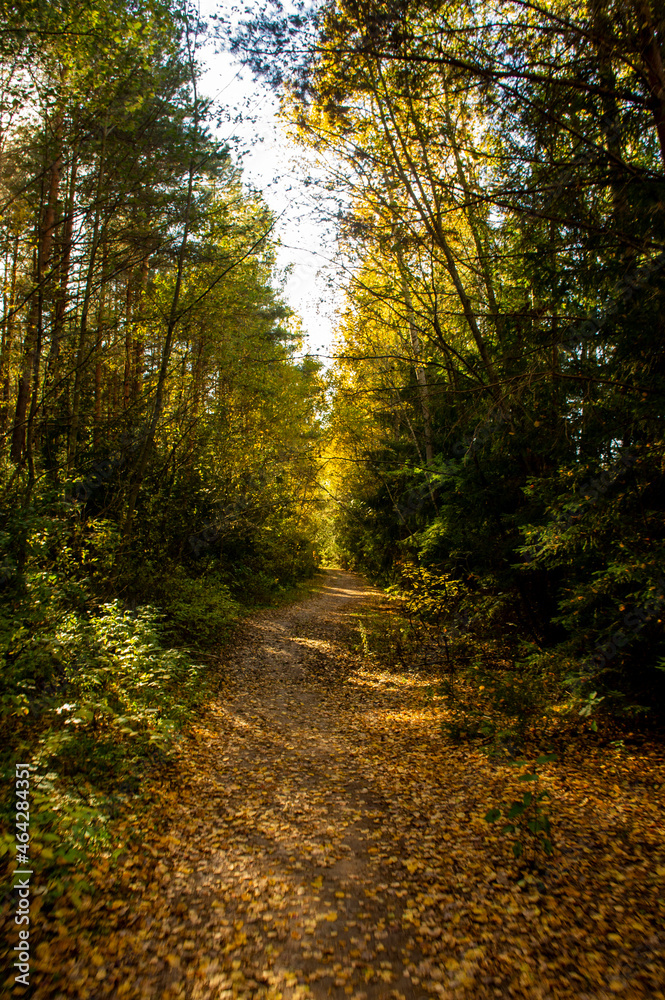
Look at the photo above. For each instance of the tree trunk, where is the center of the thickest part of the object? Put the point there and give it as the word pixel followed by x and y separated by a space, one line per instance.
pixel 29 378
pixel 430 214
pixel 75 417
pixel 421 374
pixel 8 324
pixel 164 366
pixel 475 227
pixel 655 72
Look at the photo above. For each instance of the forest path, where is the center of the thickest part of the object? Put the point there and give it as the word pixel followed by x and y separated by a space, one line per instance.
pixel 321 839
pixel 287 894
pixel 297 862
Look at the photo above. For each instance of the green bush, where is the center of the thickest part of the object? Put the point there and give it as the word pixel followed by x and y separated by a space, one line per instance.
pixel 199 611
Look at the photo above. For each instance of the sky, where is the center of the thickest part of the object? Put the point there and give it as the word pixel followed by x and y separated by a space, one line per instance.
pixel 273 164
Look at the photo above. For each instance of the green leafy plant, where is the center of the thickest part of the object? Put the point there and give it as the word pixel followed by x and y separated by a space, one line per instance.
pixel 526 817
pixel 199 611
pixel 590 704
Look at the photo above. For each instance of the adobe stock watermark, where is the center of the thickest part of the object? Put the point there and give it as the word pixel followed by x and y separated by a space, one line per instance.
pixel 570 171
pixel 574 337
pixel 415 499
pixel 21 876
pixel 101 473
pixel 228 516
pixel 204 539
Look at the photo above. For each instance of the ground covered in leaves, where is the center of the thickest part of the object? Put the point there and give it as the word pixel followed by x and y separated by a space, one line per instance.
pixel 321 837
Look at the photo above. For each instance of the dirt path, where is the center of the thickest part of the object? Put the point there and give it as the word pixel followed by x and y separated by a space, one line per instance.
pixel 298 898
pixel 321 841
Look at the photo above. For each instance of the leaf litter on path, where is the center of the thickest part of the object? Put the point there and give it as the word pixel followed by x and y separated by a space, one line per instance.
pixel 320 838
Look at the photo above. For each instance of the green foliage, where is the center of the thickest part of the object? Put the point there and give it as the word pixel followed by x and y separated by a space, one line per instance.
pixel 499 387
pixel 200 611
pixel 157 428
pixel 526 818
pixel 117 671
pixel 68 829
pixel 92 700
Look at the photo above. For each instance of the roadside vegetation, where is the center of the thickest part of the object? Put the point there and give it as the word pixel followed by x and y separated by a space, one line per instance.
pixel 158 425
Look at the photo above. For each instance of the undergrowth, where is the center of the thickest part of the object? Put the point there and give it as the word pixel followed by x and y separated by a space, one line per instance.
pixel 494 686
pixel 101 701
pixel 96 689
pixel 503 696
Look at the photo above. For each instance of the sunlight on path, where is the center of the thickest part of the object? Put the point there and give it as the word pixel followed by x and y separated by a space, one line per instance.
pixel 323 841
